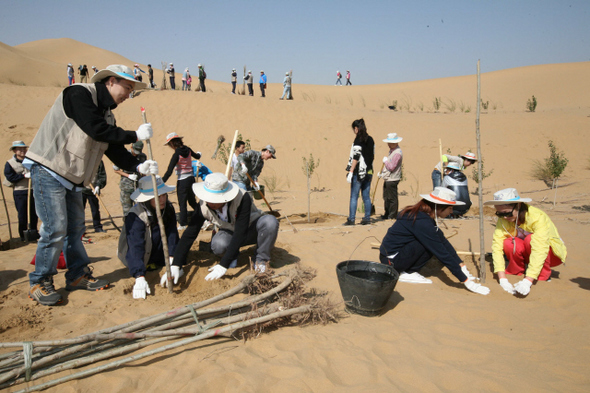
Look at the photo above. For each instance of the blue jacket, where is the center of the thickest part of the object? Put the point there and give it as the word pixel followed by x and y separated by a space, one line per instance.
pixel 263 78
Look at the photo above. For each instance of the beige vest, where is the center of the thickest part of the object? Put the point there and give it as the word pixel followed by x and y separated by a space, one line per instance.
pixel 397 172
pixel 141 212
pixel 63 147
pixel 231 213
pixel 18 167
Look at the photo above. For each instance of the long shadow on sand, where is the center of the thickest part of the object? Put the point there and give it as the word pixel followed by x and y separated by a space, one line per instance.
pixel 583 282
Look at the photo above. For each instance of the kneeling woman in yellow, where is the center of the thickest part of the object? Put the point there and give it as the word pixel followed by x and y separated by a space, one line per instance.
pixel 528 238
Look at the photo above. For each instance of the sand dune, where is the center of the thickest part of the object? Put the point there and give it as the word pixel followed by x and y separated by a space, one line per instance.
pixel 436 337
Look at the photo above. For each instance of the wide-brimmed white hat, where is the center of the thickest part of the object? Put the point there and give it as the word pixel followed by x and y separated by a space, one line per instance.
pixel 216 189
pixel 118 71
pixel 171 136
pixel 506 197
pixel 16 144
pixel 470 156
pixel 145 189
pixel 393 138
pixel 442 196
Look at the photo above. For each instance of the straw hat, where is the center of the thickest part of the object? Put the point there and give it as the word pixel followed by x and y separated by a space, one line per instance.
pixel 118 71
pixel 216 189
pixel 442 196
pixel 393 138
pixel 16 144
pixel 469 156
pixel 506 197
pixel 171 136
pixel 145 189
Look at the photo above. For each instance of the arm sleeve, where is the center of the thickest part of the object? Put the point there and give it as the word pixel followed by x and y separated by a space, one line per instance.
pixel 393 163
pixel 171 230
pixel 500 235
pixel 240 232
pixel 122 158
pixel 188 238
pixel 195 155
pixel 11 175
pixel 135 229
pixel 78 106
pixel 173 162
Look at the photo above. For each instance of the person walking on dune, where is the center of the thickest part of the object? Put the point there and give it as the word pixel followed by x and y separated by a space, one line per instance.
pixel 287 86
pixel 348 82
pixel 338 78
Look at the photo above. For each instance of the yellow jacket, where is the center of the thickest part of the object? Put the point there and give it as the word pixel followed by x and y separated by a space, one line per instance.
pixel 543 235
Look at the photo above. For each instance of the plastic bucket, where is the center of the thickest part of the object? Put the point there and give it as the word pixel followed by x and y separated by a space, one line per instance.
pixel 256 195
pixel 366 286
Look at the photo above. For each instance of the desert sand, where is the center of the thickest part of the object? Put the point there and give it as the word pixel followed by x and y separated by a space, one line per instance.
pixel 437 337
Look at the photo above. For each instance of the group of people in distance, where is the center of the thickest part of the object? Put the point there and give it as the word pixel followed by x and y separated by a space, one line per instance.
pixel 80 128
pixel 525 242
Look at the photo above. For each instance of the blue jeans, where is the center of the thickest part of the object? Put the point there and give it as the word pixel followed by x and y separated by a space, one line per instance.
pixel 436 179
pixel 241 185
pixel 364 187
pixel 62 214
pixel 286 92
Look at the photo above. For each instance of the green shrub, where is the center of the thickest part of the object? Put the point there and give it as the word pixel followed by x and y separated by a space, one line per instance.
pixel 531 104
pixel 224 153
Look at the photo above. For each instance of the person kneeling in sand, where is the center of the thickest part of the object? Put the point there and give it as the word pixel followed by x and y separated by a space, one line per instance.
pixel 528 238
pixel 238 222
pixel 140 243
pixel 415 237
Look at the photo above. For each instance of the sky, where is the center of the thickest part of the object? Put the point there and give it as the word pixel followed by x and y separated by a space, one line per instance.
pixel 387 41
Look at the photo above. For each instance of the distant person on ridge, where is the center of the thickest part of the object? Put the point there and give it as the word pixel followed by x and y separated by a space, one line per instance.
pixel 250 82
pixel 151 76
pixel 338 78
pixel 234 80
pixel 170 72
pixel 83 74
pixel 348 78
pixel 287 87
pixel 262 82
pixel 202 77
pixel 70 73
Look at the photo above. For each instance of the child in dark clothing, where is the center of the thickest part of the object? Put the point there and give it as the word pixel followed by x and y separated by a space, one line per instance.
pixel 182 161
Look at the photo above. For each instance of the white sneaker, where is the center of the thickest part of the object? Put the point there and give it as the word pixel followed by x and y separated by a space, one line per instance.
pixel 182 227
pixel 414 278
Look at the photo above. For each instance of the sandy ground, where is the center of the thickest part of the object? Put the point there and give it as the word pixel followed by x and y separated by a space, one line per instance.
pixel 437 337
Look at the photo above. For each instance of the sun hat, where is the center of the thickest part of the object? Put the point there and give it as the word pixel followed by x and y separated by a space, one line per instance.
pixel 249 71
pixel 216 189
pixel 137 147
pixel 506 197
pixel 393 138
pixel 442 196
pixel 470 156
pixel 454 165
pixel 272 150
pixel 286 73
pixel 145 189
pixel 70 64
pixel 171 136
pixel 199 65
pixel 262 71
pixel 136 65
pixel 233 69
pixel 93 67
pixel 16 144
pixel 118 71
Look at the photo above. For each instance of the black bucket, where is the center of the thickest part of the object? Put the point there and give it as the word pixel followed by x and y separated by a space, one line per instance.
pixel 366 286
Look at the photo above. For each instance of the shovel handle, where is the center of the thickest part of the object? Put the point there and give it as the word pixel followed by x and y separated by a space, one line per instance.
pixel 273 212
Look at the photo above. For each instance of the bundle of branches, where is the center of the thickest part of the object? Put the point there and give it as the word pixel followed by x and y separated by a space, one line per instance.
pixel 273 301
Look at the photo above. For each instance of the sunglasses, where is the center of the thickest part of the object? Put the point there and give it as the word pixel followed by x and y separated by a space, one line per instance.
pixel 505 214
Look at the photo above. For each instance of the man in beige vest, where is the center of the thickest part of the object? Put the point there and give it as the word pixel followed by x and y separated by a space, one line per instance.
pixel 63 159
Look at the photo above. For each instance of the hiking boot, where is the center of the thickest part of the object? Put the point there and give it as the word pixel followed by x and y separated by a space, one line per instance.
pixel 86 281
pixel 365 221
pixel 99 230
pixel 44 293
pixel 348 222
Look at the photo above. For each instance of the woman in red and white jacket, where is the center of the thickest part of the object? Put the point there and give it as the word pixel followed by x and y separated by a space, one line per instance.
pixel 182 161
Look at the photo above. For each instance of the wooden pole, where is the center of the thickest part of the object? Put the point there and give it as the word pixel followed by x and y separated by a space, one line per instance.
pixel 482 252
pixel 442 164
pixel 159 213
pixel 231 153
pixel 7 215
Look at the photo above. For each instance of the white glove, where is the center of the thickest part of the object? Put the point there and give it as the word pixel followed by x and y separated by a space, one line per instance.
pixel 199 154
pixel 175 271
pixel 96 190
pixel 507 286
pixel 144 131
pixel 385 159
pixel 523 287
pixel 217 271
pixel 349 177
pixel 140 288
pixel 27 175
pixel 256 186
pixel 467 273
pixel 244 169
pixel 148 167
pixel 132 177
pixel 477 288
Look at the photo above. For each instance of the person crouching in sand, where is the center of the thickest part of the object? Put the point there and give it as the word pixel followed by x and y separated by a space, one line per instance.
pixel 415 237
pixel 528 238
pixel 140 243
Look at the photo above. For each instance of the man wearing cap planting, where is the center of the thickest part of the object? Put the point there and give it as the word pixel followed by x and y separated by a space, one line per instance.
pixel 251 163
pixel 464 161
pixel 140 243
pixel 63 159
pixel 238 222
pixel 128 182
pixel 529 240
pixel 391 175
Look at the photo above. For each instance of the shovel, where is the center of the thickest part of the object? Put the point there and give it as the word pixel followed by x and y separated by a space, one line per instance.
pixel 30 234
pixel 375 191
pixel 272 212
pixel 105 209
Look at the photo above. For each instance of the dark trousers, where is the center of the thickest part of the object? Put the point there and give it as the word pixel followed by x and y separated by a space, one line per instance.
pixel 172 84
pixel 233 87
pixel 185 194
pixel 262 89
pixel 410 259
pixel 20 202
pixel 390 200
pixel 94 208
pixel 202 82
pixel 250 89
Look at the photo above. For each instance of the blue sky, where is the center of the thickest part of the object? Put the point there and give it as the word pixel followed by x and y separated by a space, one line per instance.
pixel 378 41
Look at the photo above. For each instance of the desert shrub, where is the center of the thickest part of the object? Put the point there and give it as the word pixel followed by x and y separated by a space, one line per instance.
pixel 436 103
pixel 550 169
pixel 485 105
pixel 308 168
pixel 451 105
pixel 531 104
pixel 475 174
